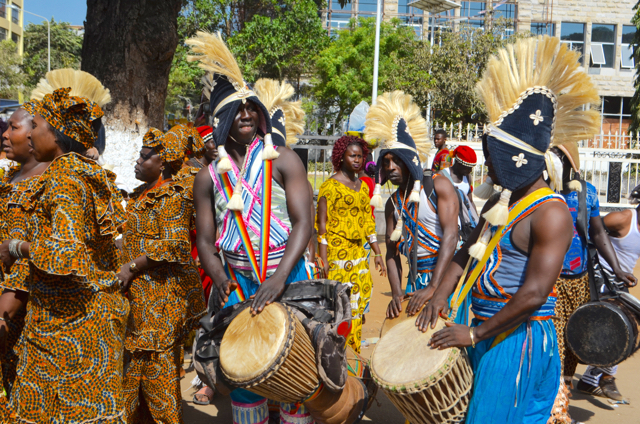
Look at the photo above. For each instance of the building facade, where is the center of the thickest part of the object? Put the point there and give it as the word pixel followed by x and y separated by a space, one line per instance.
pixel 12 22
pixel 600 29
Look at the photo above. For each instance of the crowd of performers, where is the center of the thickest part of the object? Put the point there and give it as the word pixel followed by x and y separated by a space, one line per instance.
pixel 101 291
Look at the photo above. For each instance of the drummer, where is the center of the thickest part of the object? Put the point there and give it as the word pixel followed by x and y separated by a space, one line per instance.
pixel 242 130
pixel 410 209
pixel 523 236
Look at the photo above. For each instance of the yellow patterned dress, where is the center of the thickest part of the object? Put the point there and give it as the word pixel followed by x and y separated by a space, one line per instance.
pixel 13 225
pixel 166 301
pixel 71 357
pixel 349 225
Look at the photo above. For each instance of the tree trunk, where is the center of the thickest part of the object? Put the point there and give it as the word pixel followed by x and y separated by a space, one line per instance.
pixel 129 46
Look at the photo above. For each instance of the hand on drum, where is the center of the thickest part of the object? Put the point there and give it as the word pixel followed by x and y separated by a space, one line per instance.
pixel 628 279
pixel 268 292
pixel 455 335
pixel 395 306
pixel 418 299
pixel 431 312
pixel 224 290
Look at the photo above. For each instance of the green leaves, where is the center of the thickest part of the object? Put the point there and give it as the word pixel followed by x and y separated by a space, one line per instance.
pixel 12 79
pixel 344 70
pixel 66 49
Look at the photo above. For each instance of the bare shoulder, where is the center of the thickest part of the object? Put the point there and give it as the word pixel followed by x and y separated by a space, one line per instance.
pixel 202 179
pixel 442 185
pixel 618 222
pixel 552 219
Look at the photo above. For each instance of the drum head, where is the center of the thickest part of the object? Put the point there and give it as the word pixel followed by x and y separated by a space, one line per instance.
pixel 600 334
pixel 252 343
pixel 389 323
pixel 403 357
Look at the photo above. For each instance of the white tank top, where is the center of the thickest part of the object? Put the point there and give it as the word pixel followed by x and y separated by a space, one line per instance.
pixel 428 218
pixel 627 248
pixel 464 185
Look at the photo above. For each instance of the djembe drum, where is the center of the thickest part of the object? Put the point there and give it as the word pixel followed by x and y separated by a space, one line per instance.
pixel 427 386
pixel 270 354
pixel 606 332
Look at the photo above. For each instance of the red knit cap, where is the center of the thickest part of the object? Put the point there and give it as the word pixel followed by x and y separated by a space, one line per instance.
pixel 465 155
pixel 206 132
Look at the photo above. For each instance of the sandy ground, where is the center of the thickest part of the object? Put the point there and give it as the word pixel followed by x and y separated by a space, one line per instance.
pixel 583 408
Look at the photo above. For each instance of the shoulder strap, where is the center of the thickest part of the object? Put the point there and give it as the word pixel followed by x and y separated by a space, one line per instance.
pixel 463 288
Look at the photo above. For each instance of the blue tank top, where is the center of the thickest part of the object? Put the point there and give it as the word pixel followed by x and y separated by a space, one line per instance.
pixel 504 272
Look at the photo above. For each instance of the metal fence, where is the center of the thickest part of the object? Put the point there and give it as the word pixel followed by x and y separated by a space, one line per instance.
pixel 614 172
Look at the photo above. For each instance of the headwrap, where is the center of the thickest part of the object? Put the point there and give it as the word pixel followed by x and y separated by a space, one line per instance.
pixel 228 91
pixel 534 93
pixel 396 122
pixel 287 117
pixel 72 116
pixel 170 147
pixel 191 138
pixel 465 155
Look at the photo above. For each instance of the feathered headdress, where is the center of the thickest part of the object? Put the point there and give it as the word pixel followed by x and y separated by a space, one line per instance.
pixel 228 91
pixel 395 121
pixel 534 92
pixel 82 84
pixel 287 117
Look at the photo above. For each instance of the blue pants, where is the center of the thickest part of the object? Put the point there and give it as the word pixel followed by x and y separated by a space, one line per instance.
pixel 517 380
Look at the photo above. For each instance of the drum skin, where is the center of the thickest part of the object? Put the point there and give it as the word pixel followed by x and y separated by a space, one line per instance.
pixel 426 385
pixel 603 333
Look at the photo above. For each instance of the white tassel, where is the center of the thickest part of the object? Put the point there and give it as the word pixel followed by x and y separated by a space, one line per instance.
pixel 414 197
pixel 376 199
pixel 499 213
pixel 485 190
pixel 236 203
pixel 479 248
pixel 269 152
pixel 575 185
pixel 397 232
pixel 224 163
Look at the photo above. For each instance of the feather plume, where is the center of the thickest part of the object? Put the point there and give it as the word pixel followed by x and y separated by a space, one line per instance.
pixel 214 56
pixel 275 95
pixel 207 85
pixel 82 84
pixel 381 117
pixel 544 62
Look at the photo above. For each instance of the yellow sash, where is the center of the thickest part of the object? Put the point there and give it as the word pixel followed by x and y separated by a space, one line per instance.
pixel 463 288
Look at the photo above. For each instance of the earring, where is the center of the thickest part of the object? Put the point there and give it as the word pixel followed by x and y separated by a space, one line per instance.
pixel 162 169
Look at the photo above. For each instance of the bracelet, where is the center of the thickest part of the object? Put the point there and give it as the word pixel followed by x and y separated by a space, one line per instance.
pixel 13 248
pixel 2 319
pixel 373 238
pixel 473 342
pixel 19 249
pixel 377 256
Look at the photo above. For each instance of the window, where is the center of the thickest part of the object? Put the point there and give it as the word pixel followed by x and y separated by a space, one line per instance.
pixel 15 14
pixel 472 9
pixel 616 114
pixel 3 9
pixel 507 11
pixel 603 45
pixel 367 8
pixel 15 38
pixel 573 34
pixel 542 28
pixel 404 8
pixel 338 17
pixel 3 34
pixel 628 33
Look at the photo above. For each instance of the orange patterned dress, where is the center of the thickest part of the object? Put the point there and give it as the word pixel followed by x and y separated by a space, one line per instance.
pixel 14 225
pixel 166 301
pixel 71 358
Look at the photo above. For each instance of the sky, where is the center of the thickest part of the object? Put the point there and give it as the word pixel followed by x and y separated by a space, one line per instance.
pixel 72 11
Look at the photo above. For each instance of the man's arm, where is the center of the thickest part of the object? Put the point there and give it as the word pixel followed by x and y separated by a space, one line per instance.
pixel 448 207
pixel 394 264
pixel 294 179
pixel 206 236
pixel 617 223
pixel 601 240
pixel 551 231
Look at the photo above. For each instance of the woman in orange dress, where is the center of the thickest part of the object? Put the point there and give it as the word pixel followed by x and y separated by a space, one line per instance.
pixel 161 278
pixel 13 225
pixel 70 365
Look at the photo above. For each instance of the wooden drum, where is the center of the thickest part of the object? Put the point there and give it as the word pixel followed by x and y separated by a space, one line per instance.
pixel 270 354
pixel 426 385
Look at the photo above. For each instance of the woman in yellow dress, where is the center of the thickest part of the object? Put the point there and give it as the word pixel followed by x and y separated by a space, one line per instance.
pixel 344 224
